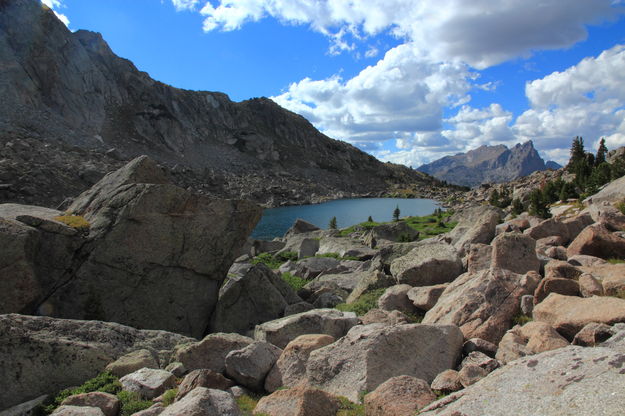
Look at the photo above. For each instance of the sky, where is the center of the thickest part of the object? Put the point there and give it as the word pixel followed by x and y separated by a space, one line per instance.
pixel 408 81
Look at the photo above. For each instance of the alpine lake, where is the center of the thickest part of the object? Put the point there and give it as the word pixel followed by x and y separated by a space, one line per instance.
pixel 276 221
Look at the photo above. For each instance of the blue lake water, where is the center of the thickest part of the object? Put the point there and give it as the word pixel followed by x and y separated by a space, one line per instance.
pixel 276 221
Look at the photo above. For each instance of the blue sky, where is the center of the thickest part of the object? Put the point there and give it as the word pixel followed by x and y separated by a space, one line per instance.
pixel 406 80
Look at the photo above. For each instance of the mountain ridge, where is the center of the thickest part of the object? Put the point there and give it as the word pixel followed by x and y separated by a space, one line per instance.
pixel 70 89
pixel 488 164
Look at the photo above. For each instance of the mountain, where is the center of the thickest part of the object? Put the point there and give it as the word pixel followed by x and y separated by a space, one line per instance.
pixel 488 164
pixel 72 110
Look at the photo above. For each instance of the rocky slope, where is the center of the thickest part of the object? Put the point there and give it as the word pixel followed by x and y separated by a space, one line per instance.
pixel 69 100
pixel 488 164
pixel 519 315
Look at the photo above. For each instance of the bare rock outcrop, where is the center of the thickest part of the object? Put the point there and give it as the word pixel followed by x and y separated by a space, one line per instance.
pixel 45 355
pixel 482 304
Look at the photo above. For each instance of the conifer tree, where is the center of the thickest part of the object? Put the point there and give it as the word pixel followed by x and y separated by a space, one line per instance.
pixel 601 152
pixel 332 224
pixel 396 213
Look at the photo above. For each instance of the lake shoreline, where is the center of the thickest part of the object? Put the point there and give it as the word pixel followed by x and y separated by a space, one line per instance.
pixel 348 211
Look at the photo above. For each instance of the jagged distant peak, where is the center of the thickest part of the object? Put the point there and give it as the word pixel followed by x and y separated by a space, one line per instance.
pixel 487 164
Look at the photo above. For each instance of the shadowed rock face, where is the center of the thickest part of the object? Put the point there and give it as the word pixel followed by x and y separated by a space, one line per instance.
pixel 70 89
pixel 488 164
pixel 154 258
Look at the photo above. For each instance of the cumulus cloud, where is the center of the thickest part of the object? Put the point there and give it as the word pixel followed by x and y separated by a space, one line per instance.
pixel 403 94
pixel 586 99
pixel 185 4
pixel 402 98
pixel 55 5
pixel 481 32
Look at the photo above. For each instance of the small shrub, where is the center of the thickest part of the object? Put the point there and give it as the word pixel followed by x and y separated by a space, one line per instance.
pixel 332 225
pixel 268 260
pixel 131 403
pixel 366 302
pixel 621 206
pixel 74 221
pixel 169 396
pixel 295 282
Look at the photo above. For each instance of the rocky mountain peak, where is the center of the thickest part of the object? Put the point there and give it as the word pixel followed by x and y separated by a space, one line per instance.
pixel 487 164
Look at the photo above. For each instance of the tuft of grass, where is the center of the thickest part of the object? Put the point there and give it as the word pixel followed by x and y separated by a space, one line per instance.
pixel 366 302
pixel 105 382
pixel 169 396
pixel 521 319
pixel 620 206
pixel 363 226
pixel 330 255
pixel 247 403
pixel 348 408
pixel 274 261
pixel 131 403
pixel 295 282
pixel 616 261
pixel 74 221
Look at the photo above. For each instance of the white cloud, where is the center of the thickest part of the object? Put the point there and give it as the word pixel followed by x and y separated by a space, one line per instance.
pixel 403 94
pixel 402 97
pixel 54 5
pixel 185 4
pixel 481 32
pixel 585 100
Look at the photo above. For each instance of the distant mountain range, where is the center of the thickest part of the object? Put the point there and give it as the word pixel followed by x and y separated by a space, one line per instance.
pixel 488 164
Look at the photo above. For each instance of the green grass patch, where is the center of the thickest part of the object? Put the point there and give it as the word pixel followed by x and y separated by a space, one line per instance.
pixel 616 261
pixel 363 226
pixel 105 382
pixel 366 302
pixel 132 403
pixel 336 256
pixel 295 282
pixel 521 319
pixel 247 403
pixel 427 225
pixel 348 408
pixel 169 396
pixel 274 261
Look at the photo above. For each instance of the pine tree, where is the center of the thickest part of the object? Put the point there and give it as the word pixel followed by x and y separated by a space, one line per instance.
pixel 396 213
pixel 517 206
pixel 578 154
pixel 494 198
pixel 601 152
pixel 332 224
pixel 369 219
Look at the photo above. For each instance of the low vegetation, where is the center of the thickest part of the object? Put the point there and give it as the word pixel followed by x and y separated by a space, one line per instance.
pixel 428 225
pixel 366 302
pixel 247 403
pixel 104 382
pixel 348 408
pixel 295 282
pixel 521 319
pixel 74 221
pixel 274 261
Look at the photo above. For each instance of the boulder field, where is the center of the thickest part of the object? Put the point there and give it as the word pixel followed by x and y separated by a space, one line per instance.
pixel 500 315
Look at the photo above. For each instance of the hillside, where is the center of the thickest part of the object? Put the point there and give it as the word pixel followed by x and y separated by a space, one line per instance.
pixel 488 164
pixel 72 110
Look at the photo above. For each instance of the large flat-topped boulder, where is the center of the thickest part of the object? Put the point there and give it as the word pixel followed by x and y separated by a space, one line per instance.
pixel 427 264
pixel 44 355
pixel 317 321
pixel 596 240
pixel 371 354
pixel 569 314
pixel 155 255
